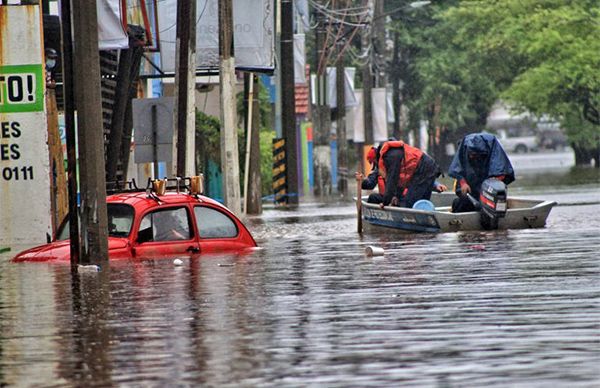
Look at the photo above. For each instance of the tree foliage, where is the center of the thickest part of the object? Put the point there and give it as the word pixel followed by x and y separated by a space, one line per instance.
pixel 555 43
pixel 541 56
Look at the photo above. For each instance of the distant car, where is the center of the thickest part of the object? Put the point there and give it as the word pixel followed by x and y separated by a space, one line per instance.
pixel 145 225
pixel 518 144
pixel 553 139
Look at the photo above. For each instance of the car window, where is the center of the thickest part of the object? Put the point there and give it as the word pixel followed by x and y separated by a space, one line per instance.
pixel 120 220
pixel 165 225
pixel 213 223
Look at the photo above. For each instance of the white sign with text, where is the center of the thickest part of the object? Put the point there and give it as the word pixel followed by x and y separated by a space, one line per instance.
pixel 24 159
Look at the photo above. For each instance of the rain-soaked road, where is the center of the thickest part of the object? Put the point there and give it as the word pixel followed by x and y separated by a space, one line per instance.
pixel 513 308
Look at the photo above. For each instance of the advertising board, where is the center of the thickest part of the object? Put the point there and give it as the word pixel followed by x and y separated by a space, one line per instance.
pixel 253 34
pixel 24 159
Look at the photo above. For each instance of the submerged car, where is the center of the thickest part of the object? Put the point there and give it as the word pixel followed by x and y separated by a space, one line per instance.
pixel 151 224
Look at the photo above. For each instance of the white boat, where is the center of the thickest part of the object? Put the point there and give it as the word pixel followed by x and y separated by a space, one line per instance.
pixel 521 214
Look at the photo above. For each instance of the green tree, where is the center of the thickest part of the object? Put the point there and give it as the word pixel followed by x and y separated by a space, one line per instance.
pixel 552 52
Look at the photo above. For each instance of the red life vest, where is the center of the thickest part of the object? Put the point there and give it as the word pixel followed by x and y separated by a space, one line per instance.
pixel 412 157
pixel 380 184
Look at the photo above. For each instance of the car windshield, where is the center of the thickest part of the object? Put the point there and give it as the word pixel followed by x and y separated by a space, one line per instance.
pixel 120 219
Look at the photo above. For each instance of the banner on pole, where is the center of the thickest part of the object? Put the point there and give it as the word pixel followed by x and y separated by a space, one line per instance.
pixel 253 32
pixel 111 34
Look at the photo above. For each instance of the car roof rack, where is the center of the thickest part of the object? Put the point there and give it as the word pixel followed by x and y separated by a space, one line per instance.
pixel 116 187
pixel 193 185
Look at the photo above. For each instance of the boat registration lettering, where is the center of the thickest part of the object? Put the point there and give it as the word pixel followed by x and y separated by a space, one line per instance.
pixel 409 219
pixel 379 214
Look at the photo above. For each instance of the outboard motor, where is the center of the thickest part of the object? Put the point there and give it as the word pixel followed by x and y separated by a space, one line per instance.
pixel 493 202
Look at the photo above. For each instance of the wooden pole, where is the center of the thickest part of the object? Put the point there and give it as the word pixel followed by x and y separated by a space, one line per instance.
pixel 288 101
pixel 58 179
pixel 255 185
pixel 86 65
pixel 342 146
pixel 367 98
pixel 67 52
pixel 359 205
pixel 396 97
pixel 185 82
pixel 229 142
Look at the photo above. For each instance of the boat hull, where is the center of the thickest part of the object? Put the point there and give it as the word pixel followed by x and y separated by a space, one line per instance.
pixel 521 214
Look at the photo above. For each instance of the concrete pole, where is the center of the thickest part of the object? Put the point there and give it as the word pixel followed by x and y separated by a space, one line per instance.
pixel 288 100
pixel 249 102
pixel 185 83
pixel 86 65
pixel 229 141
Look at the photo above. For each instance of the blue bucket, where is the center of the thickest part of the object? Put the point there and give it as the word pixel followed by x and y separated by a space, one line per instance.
pixel 424 204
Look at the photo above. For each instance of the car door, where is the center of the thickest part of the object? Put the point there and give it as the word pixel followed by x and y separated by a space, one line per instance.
pixel 217 231
pixel 166 233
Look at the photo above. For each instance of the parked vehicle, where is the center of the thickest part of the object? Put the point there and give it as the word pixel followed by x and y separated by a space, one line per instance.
pixel 553 139
pixel 521 143
pixel 155 223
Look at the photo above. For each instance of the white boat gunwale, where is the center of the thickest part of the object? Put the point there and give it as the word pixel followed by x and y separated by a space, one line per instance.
pixel 521 213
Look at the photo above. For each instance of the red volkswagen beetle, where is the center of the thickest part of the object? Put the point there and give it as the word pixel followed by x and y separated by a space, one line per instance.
pixel 146 225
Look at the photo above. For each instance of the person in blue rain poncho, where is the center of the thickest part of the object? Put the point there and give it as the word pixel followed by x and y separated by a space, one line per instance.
pixel 480 156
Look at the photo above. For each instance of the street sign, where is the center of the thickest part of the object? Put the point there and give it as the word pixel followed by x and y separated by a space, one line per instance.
pixel 153 125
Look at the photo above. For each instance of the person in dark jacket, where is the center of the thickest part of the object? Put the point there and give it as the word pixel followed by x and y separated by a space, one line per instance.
pixel 480 156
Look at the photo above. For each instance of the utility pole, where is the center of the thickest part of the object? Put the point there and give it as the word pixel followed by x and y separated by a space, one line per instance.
pixel 288 101
pixel 321 116
pixel 342 146
pixel 367 76
pixel 67 52
pixel 86 65
pixel 379 43
pixel 252 179
pixel 277 73
pixel 185 82
pixel 229 142
pixel 396 93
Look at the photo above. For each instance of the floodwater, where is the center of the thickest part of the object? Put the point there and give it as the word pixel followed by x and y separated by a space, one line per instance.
pixel 517 308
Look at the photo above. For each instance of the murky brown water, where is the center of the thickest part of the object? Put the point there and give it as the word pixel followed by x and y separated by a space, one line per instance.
pixel 513 308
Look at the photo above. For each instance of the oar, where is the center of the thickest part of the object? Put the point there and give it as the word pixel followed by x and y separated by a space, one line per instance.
pixel 359 204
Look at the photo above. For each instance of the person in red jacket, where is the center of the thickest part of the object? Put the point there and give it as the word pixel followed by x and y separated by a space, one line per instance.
pixel 373 179
pixel 403 174
pixel 409 174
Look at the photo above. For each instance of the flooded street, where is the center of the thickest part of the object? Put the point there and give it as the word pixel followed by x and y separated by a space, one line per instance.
pixel 517 308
